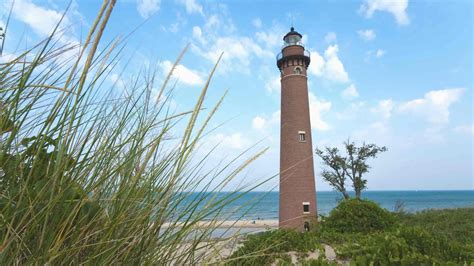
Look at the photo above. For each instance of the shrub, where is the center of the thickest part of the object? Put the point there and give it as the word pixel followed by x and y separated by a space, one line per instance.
pixel 354 215
pixel 264 248
pixel 454 224
pixel 405 246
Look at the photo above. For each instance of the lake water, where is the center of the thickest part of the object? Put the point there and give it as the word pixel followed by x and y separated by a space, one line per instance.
pixel 264 205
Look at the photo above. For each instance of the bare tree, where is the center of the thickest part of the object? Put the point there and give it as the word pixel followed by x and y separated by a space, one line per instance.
pixel 353 166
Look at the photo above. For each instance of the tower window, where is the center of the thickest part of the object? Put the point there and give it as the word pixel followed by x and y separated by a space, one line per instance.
pixel 302 136
pixel 297 70
pixel 305 207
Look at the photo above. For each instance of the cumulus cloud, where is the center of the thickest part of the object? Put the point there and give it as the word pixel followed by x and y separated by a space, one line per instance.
pixel 330 67
pixel 350 92
pixel 434 106
pixel 269 38
pixel 42 20
pixel 146 8
pixel 317 108
pixel 330 37
pixel 233 141
pixel 191 6
pixel 366 35
pixel 184 74
pixel 273 84
pixel 239 52
pixel 259 123
pixel 384 108
pixel 397 8
pixel 263 122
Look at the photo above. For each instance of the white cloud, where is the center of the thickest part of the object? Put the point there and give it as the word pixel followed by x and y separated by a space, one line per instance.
pixel 317 64
pixel 119 83
pixel 434 107
pixel 396 7
pixel 330 37
pixel 334 68
pixel 317 108
pixel 269 39
pixel 191 6
pixel 212 22
pixel 184 74
pixel 257 23
pixel 7 57
pixel 367 35
pixel 263 122
pixel 384 108
pixel 238 53
pixel 330 67
pixel 177 25
pixel 146 8
pixel 259 123
pixel 233 141
pixel 219 32
pixel 41 20
pixel 350 92
pixel 273 84
pixel 197 34
pixel 465 129
pixel 379 53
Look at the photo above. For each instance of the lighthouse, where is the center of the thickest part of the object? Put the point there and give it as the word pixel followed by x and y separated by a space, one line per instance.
pixel 297 185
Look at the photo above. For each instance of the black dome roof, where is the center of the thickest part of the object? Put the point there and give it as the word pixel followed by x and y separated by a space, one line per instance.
pixel 292 32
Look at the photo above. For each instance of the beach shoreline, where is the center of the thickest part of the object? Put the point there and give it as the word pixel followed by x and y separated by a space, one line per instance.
pixel 270 224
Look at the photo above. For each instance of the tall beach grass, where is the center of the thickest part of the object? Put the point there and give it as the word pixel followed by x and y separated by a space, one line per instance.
pixel 89 176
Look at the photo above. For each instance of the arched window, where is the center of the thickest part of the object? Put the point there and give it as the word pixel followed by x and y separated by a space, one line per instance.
pixel 298 70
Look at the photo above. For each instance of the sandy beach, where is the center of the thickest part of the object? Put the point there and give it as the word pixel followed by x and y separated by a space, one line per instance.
pixel 233 224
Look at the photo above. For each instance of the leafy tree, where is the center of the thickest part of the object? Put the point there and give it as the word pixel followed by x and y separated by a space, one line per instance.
pixel 337 175
pixel 353 165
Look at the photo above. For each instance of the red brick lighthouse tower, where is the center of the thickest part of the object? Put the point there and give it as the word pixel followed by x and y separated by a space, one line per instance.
pixel 297 185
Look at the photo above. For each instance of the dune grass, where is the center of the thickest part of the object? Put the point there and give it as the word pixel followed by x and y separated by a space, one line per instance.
pixel 90 177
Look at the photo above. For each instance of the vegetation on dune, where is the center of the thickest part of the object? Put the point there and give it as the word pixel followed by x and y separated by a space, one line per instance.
pixel 455 224
pixel 359 216
pixel 434 237
pixel 91 176
pixel 264 248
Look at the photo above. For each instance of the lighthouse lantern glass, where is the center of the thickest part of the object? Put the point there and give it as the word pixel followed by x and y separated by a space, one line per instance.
pixel 292 40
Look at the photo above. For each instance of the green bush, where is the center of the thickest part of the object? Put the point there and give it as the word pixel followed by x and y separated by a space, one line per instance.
pixel 354 215
pixel 454 224
pixel 405 246
pixel 264 248
pixel 426 238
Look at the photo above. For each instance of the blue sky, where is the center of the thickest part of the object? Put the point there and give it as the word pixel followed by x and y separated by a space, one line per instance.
pixel 395 73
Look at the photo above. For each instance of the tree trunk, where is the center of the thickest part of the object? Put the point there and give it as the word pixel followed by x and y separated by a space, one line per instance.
pixel 357 193
pixel 346 195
